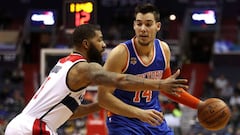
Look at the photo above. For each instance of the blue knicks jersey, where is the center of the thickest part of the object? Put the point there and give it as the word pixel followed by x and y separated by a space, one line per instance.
pixel 146 99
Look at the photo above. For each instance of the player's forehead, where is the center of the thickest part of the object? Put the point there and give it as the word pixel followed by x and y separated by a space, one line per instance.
pixel 145 17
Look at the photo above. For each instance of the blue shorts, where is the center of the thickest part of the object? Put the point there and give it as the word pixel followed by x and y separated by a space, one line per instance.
pixel 119 125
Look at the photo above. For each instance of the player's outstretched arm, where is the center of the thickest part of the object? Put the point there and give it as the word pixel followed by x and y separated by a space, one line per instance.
pixel 84 73
pixel 129 82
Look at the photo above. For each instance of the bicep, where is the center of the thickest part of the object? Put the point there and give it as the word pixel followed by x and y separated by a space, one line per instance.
pixel 81 74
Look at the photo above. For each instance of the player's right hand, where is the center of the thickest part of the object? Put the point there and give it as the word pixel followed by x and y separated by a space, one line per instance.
pixel 151 116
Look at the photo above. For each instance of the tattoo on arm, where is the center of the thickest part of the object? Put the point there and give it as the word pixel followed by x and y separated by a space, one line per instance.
pixel 103 77
pixel 134 79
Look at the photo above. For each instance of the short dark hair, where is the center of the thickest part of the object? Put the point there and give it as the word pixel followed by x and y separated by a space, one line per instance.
pixel 84 31
pixel 147 8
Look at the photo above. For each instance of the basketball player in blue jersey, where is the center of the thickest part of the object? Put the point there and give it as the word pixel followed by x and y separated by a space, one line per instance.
pixel 59 97
pixel 130 112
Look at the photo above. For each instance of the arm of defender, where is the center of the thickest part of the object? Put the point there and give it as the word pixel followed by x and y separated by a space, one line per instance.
pixel 83 74
pixel 133 83
pixel 127 81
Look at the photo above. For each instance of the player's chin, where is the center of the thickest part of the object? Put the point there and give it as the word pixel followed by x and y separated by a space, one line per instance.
pixel 102 52
pixel 144 43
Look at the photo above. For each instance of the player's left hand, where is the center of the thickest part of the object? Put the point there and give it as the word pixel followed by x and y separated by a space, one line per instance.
pixel 151 116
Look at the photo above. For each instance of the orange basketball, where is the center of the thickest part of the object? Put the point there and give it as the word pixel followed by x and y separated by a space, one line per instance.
pixel 213 114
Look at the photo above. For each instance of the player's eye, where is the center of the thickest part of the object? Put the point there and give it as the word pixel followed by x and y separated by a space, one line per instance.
pixel 148 24
pixel 100 39
pixel 139 24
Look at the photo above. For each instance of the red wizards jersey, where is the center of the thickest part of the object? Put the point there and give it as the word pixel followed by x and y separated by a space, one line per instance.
pixel 54 102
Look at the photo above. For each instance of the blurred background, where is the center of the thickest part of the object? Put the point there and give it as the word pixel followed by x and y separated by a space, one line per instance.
pixel 203 35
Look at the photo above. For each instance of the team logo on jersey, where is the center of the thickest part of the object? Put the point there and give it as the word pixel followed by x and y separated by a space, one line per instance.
pixel 133 60
pixel 55 69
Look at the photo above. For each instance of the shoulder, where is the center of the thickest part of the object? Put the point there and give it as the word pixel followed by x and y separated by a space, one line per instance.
pixel 82 74
pixel 165 48
pixel 119 49
pixel 164 45
pixel 117 58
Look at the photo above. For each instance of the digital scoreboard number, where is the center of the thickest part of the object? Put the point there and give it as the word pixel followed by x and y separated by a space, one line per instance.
pixel 79 12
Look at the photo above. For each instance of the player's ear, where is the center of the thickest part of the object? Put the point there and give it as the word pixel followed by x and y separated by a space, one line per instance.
pixel 159 26
pixel 85 43
pixel 134 24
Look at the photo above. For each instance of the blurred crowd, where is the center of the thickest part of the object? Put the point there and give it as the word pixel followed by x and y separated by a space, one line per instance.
pixel 11 95
pixel 183 120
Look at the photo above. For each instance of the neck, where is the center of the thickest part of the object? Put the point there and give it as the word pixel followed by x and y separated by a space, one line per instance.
pixel 81 53
pixel 143 49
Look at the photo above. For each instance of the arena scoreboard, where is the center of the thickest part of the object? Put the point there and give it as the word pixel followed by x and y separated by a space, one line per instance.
pixel 77 12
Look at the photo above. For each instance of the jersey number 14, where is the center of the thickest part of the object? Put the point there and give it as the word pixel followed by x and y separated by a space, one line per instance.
pixel 147 94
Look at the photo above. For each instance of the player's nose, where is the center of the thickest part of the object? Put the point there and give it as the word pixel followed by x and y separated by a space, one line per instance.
pixel 104 45
pixel 143 28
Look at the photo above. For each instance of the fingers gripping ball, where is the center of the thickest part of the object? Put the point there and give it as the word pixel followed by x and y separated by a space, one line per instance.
pixel 213 114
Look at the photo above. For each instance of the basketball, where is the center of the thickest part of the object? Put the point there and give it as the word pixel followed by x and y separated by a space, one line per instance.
pixel 214 114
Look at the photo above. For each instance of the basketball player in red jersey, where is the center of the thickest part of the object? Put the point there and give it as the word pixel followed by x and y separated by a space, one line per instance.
pixel 146 57
pixel 59 97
